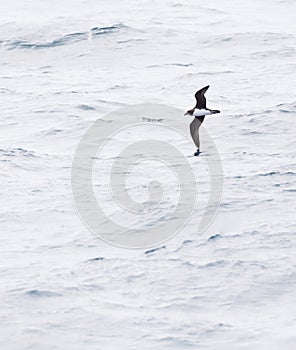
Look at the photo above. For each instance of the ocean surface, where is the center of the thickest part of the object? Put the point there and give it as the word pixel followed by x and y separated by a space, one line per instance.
pixel 63 66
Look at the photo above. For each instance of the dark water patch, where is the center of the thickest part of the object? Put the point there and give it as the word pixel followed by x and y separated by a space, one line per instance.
pixel 154 66
pixel 177 5
pixel 13 152
pixel 129 41
pixel 39 111
pixel 150 251
pixel 63 40
pixel 96 259
pixel 86 107
pixel 258 38
pixel 206 73
pixel 174 342
pixel 152 120
pixel 214 237
pixel 251 132
pixel 192 75
pixel 218 328
pixel 42 293
pixel 5 90
pixel 53 131
pixel 215 264
pixel 117 87
pixel 248 263
pixel 285 108
pixel 37 190
pixel 280 108
pixel 187 242
pixel 270 173
pixel 67 39
pixel 96 31
pixel 180 64
pixel 105 121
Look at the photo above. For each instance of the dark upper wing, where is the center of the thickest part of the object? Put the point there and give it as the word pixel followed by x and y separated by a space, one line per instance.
pixel 200 98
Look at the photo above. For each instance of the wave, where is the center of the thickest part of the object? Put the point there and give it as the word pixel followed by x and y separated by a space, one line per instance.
pixel 258 39
pixel 42 293
pixel 63 40
pixel 95 259
pixel 285 108
pixel 13 152
pixel 153 250
pixel 85 107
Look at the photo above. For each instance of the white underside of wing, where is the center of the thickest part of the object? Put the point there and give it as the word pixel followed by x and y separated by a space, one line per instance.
pixel 201 112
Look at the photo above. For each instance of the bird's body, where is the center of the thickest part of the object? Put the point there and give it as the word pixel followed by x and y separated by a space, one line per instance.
pixel 199 112
pixel 202 112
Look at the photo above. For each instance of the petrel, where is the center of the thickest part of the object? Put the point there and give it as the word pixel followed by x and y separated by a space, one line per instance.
pixel 199 112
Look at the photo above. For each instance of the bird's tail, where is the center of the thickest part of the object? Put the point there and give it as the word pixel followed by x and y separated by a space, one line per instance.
pixel 214 111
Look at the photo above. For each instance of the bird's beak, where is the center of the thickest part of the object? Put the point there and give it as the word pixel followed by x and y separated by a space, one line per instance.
pixel 186 113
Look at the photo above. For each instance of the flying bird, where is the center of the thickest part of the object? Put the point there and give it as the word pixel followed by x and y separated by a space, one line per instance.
pixel 199 112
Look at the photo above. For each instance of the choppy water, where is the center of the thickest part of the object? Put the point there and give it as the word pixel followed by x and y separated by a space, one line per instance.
pixel 65 64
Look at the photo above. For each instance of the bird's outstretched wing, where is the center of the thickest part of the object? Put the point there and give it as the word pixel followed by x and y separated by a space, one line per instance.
pixel 200 98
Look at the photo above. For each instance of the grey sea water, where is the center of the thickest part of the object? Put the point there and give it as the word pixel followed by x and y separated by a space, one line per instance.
pixel 65 64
